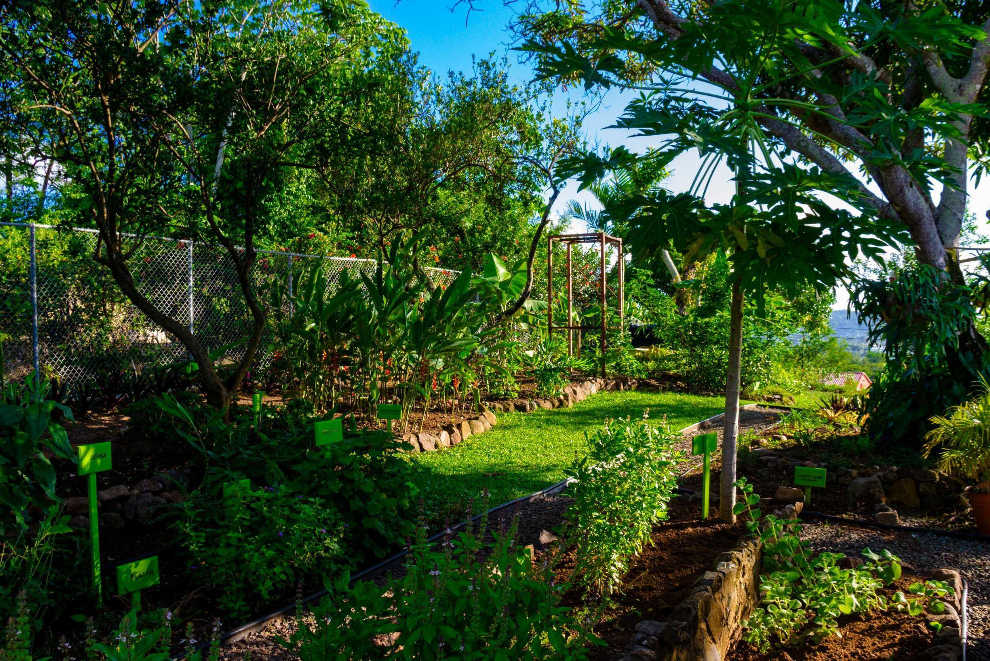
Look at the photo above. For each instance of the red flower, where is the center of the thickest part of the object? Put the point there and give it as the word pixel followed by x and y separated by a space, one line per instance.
pixel 353 255
pixel 312 235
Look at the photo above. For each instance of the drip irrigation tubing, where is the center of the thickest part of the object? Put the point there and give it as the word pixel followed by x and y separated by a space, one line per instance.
pixel 964 634
pixel 381 567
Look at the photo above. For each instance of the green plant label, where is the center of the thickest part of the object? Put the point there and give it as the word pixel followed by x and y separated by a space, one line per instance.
pixel 390 411
pixel 329 431
pixel 137 575
pixel 256 402
pixel 703 443
pixel 94 458
pixel 235 488
pixel 809 477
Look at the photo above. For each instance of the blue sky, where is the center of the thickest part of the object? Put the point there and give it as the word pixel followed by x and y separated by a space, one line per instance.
pixel 445 42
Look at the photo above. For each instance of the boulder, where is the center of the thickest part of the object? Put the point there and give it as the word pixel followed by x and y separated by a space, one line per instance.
pixel 789 494
pixel 546 539
pixel 146 486
pixel 142 508
pixel 180 478
pixel 904 492
pixel 866 488
pixel 410 443
pixel 476 426
pixel 444 438
pixel 112 521
pixel 888 518
pixel 427 442
pixel 490 417
pixel 484 422
pixel 178 497
pixel 79 521
pixel 495 406
pixel 113 493
pixel 465 429
pixel 509 407
pixel 77 505
pixel 453 434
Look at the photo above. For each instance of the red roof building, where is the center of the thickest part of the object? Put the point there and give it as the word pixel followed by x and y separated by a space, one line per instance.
pixel 861 379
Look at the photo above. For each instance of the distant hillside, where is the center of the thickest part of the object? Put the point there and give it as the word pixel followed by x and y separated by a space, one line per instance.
pixel 849 329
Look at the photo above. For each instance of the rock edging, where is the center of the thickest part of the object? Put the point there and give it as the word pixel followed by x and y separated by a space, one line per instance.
pixel 948 641
pixel 452 435
pixel 708 621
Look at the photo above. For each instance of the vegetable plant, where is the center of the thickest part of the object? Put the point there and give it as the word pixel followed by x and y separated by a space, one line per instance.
pixel 803 594
pixel 621 490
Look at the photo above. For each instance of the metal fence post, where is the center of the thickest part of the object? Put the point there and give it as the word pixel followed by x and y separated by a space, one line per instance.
pixel 290 286
pixel 34 304
pixel 191 284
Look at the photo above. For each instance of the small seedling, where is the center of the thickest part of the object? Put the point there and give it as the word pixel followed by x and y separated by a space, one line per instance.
pixel 136 576
pixel 94 459
pixel 705 444
pixel 807 477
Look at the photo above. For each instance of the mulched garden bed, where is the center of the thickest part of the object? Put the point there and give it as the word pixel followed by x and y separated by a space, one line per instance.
pixel 874 637
pixel 662 576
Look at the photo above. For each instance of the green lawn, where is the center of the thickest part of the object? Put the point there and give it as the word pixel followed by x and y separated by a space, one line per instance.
pixel 524 453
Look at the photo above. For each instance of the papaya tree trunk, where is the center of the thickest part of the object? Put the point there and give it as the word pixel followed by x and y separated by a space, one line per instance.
pixel 727 489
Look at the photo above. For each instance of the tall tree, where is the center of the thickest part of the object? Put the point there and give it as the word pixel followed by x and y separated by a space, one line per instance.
pixel 174 115
pixel 897 88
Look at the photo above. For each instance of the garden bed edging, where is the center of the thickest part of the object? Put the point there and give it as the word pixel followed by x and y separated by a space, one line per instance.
pixel 706 624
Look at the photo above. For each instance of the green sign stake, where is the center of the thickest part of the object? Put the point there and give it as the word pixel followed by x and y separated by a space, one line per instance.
pixel 705 444
pixel 390 412
pixel 136 576
pixel 256 407
pixel 94 459
pixel 807 477
pixel 329 431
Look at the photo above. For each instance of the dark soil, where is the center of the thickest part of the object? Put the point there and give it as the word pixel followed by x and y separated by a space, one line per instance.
pixel 662 576
pixel 867 637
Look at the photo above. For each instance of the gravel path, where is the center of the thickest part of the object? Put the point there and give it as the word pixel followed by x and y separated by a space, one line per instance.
pixel 755 419
pixel 970 557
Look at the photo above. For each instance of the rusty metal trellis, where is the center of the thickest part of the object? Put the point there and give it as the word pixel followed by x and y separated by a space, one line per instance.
pixel 601 241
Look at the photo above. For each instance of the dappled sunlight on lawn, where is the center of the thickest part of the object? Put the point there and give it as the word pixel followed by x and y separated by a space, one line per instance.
pixel 528 452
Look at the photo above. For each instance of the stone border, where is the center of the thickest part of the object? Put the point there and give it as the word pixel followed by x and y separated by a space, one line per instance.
pixel 948 642
pixel 452 435
pixel 706 623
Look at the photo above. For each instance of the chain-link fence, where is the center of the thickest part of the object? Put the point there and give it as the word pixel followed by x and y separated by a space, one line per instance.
pixel 62 314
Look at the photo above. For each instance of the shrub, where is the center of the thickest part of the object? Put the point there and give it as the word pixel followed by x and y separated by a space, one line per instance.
pixel 964 437
pixel 622 488
pixel 368 484
pixel 258 543
pixel 28 428
pixel 552 367
pixel 463 600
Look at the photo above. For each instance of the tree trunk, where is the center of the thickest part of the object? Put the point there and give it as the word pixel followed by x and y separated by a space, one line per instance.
pixel 727 489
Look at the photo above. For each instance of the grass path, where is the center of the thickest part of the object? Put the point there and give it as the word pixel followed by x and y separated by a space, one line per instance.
pixel 528 452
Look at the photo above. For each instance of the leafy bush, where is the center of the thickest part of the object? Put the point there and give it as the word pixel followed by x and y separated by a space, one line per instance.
pixel 621 489
pixel 923 324
pixel 964 438
pixel 552 367
pixel 804 593
pixel 464 601
pixel 370 487
pixel 258 544
pixel 27 428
